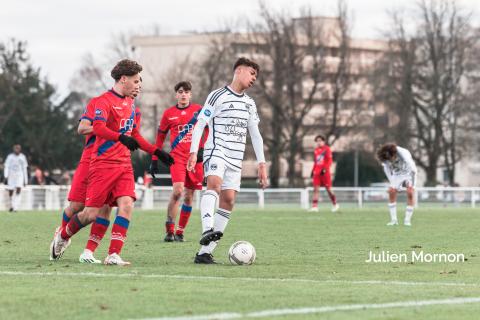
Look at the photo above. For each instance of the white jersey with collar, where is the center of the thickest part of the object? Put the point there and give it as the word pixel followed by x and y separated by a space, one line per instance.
pixel 228 115
pixel 16 166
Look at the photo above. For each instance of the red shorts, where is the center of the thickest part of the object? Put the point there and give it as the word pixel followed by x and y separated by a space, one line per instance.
pixel 78 189
pixel 322 180
pixel 105 185
pixel 191 180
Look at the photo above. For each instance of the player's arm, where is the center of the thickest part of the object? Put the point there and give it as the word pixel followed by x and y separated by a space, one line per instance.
pixel 388 171
pixel 85 127
pixel 5 167
pixel 327 161
pixel 407 156
pixel 162 131
pixel 146 146
pixel 25 174
pixel 257 143
pixel 205 115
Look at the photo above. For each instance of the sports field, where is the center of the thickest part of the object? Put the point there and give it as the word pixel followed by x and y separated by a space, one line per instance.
pixel 309 266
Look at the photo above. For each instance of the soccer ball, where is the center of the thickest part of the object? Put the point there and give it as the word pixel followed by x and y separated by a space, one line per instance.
pixel 242 253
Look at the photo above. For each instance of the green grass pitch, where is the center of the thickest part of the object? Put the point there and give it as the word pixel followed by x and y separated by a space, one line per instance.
pixel 309 266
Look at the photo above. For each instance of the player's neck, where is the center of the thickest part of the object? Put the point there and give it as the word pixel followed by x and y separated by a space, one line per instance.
pixel 182 106
pixel 117 89
pixel 237 88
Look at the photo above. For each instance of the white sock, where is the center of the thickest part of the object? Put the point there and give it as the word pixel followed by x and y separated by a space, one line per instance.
pixel 15 199
pixel 393 211
pixel 221 220
pixel 408 213
pixel 207 209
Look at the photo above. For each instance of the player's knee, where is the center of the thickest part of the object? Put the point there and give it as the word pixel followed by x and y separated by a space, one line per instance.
pixel 392 191
pixel 410 192
pixel 76 207
pixel 177 193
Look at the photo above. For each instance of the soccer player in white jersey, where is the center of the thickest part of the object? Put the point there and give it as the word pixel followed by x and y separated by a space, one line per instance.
pixel 230 114
pixel 401 172
pixel 15 173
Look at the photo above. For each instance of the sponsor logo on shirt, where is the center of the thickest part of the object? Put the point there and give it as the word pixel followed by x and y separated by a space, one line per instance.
pixel 126 124
pixel 213 167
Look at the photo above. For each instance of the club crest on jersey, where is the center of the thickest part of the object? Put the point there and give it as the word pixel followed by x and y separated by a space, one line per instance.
pixel 98 112
pixel 207 112
pixel 213 167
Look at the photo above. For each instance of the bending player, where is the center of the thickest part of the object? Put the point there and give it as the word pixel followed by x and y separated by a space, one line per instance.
pixel 110 177
pixel 401 172
pixel 322 157
pixel 229 113
pixel 180 120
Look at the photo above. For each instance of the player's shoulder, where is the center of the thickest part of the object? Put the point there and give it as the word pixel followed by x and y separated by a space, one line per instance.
pixel 196 106
pixel 403 151
pixel 216 95
pixel 248 98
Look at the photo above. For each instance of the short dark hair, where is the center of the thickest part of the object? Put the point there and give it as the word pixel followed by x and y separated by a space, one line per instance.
pixel 320 137
pixel 387 152
pixel 186 85
pixel 246 62
pixel 125 67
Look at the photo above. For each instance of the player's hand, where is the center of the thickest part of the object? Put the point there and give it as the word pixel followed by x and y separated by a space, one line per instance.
pixel 165 157
pixel 192 161
pixel 200 155
pixel 262 175
pixel 311 174
pixel 129 142
pixel 153 170
pixel 323 172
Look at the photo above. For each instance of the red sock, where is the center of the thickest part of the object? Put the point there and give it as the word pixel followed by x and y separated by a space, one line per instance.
pixel 98 230
pixel 119 234
pixel 315 203
pixel 184 217
pixel 66 219
pixel 72 227
pixel 169 226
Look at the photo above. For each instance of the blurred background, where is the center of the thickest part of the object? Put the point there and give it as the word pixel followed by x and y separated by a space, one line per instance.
pixel 360 73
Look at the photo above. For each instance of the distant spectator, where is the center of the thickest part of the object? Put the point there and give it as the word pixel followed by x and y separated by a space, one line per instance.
pixel 65 180
pixel 48 179
pixel 38 179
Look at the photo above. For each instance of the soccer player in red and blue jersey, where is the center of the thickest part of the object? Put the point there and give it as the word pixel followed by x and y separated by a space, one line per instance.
pixel 322 160
pixel 110 177
pixel 180 120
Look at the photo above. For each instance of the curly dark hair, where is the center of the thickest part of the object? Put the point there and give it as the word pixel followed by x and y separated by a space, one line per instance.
pixel 186 85
pixel 125 67
pixel 246 62
pixel 322 137
pixel 387 152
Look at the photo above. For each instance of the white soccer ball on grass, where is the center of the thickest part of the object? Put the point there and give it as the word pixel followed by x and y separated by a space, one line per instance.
pixel 242 253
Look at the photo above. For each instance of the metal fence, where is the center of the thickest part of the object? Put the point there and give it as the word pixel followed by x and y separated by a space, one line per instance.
pixel 55 197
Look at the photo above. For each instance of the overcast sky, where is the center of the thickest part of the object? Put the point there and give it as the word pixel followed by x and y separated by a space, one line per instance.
pixel 59 33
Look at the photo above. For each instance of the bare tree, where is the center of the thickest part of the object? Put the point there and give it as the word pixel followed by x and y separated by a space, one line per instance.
pixel 426 72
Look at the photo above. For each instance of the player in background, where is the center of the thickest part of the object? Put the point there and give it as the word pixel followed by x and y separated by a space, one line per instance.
pixel 110 177
pixel 230 114
pixel 179 120
pixel 15 173
pixel 322 160
pixel 401 172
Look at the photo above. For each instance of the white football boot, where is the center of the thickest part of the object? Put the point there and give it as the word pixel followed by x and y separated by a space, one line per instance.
pixel 335 208
pixel 87 257
pixel 407 223
pixel 393 223
pixel 58 245
pixel 313 209
pixel 115 260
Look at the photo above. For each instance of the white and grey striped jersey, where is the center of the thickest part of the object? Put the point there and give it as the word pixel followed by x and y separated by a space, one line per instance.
pixel 403 164
pixel 228 115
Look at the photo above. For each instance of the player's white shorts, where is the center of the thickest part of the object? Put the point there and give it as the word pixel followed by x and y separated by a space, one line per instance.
pixel 403 181
pixel 15 181
pixel 218 167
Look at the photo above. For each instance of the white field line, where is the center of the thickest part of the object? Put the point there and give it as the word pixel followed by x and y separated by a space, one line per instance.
pixel 219 278
pixel 324 309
